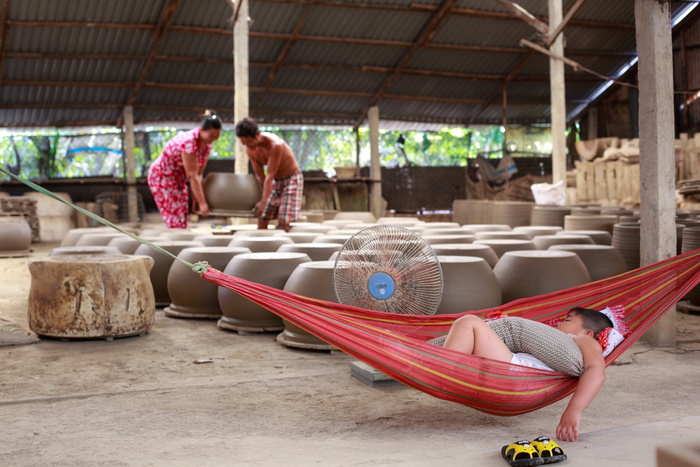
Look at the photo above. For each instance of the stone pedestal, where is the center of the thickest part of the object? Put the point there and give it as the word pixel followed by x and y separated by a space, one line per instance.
pixel 91 296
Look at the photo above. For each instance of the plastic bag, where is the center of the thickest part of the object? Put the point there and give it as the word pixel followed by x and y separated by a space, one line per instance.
pixel 549 193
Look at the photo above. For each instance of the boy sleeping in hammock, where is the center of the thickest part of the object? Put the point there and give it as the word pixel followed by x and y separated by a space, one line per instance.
pixel 572 347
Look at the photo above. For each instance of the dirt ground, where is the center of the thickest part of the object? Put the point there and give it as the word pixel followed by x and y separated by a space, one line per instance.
pixel 143 401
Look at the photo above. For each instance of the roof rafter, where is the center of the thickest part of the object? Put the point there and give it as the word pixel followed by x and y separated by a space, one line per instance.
pixel 283 54
pixel 423 38
pixel 4 30
pixel 166 18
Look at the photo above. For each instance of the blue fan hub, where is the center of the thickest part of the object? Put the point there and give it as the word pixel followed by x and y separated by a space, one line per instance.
pixel 381 285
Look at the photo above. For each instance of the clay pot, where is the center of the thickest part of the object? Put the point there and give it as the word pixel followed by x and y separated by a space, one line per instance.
pixel 549 215
pixel 511 235
pixel 441 225
pixel 73 235
pixel 231 193
pixel 467 249
pixel 339 239
pixel 590 222
pixel 316 228
pixel 361 216
pixel 272 269
pixel 193 297
pixel 545 241
pixel 602 261
pixel 468 284
pixel 185 236
pixel 316 251
pixel 512 213
pixel 535 230
pixel 88 296
pixel 437 239
pixel 442 231
pixel 128 245
pixel 530 273
pixel 261 244
pixel 161 266
pixel 474 228
pixel 599 237
pixel 302 237
pixel 85 250
pixel 98 239
pixel 314 280
pixel 15 236
pixel 501 246
pixel 214 240
pixel 259 233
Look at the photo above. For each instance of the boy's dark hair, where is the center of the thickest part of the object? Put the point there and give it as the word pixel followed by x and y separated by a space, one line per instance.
pixel 247 127
pixel 211 121
pixel 592 319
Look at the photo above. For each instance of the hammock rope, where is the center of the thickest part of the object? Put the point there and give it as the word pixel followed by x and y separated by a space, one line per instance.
pixel 197 267
pixel 397 345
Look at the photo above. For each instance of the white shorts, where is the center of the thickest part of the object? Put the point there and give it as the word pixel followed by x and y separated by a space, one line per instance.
pixel 525 359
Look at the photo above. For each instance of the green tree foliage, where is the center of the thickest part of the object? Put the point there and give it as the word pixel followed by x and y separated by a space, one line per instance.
pixel 51 154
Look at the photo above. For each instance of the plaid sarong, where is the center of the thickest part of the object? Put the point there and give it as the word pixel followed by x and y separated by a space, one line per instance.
pixel 284 203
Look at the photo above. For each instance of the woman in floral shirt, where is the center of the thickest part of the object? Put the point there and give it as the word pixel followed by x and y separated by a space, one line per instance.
pixel 184 157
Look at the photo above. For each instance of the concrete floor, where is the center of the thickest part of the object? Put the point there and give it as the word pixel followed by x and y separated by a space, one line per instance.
pixel 144 401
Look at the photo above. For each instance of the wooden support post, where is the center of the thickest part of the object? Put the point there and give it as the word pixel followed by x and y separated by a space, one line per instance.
pixel 241 97
pixel 375 197
pixel 558 97
pixel 130 163
pixel 592 123
pixel 656 145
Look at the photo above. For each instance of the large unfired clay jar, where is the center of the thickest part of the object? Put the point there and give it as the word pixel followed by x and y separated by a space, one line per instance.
pixel 467 249
pixel 468 284
pixel 272 269
pixel 228 192
pixel 602 261
pixel 316 251
pixel 98 239
pixel 15 236
pixel 536 272
pixel 73 235
pixel 261 244
pixel 161 266
pixel 500 245
pixel 314 280
pixel 191 296
pixel 88 296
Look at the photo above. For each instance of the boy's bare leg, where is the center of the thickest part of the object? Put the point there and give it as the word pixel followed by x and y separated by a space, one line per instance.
pixel 285 227
pixel 470 334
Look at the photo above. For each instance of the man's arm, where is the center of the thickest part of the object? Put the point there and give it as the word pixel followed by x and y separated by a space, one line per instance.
pixel 589 385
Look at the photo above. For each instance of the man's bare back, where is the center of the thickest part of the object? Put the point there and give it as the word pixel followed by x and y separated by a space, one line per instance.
pixel 272 151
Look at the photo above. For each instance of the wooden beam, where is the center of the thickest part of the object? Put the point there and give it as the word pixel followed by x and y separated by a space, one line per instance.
pixel 166 18
pixel 257 90
pixel 524 15
pixel 425 35
pixel 283 54
pixel 552 36
pixel 4 31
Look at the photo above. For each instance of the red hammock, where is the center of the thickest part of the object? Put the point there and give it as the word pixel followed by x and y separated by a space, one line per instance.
pixel 396 344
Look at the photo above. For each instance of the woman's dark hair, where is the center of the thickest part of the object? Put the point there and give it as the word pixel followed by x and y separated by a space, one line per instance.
pixel 592 319
pixel 211 121
pixel 247 127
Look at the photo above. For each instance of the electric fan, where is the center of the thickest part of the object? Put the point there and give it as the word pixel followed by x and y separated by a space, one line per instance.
pixel 388 268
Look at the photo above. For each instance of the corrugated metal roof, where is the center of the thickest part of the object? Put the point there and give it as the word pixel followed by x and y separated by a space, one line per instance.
pixel 79 62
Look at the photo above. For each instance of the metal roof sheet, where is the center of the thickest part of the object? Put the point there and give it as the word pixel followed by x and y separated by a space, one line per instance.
pixel 68 62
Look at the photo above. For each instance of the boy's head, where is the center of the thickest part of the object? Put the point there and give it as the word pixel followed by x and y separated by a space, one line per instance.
pixel 592 320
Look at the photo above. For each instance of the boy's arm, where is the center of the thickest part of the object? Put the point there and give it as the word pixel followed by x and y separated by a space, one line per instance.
pixel 589 384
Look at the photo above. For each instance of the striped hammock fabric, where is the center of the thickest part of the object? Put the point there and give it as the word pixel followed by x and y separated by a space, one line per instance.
pixel 396 344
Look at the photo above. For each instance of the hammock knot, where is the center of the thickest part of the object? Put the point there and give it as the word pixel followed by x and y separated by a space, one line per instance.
pixel 200 267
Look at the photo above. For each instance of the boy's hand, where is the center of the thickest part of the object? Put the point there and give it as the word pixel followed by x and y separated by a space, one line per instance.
pixel 568 426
